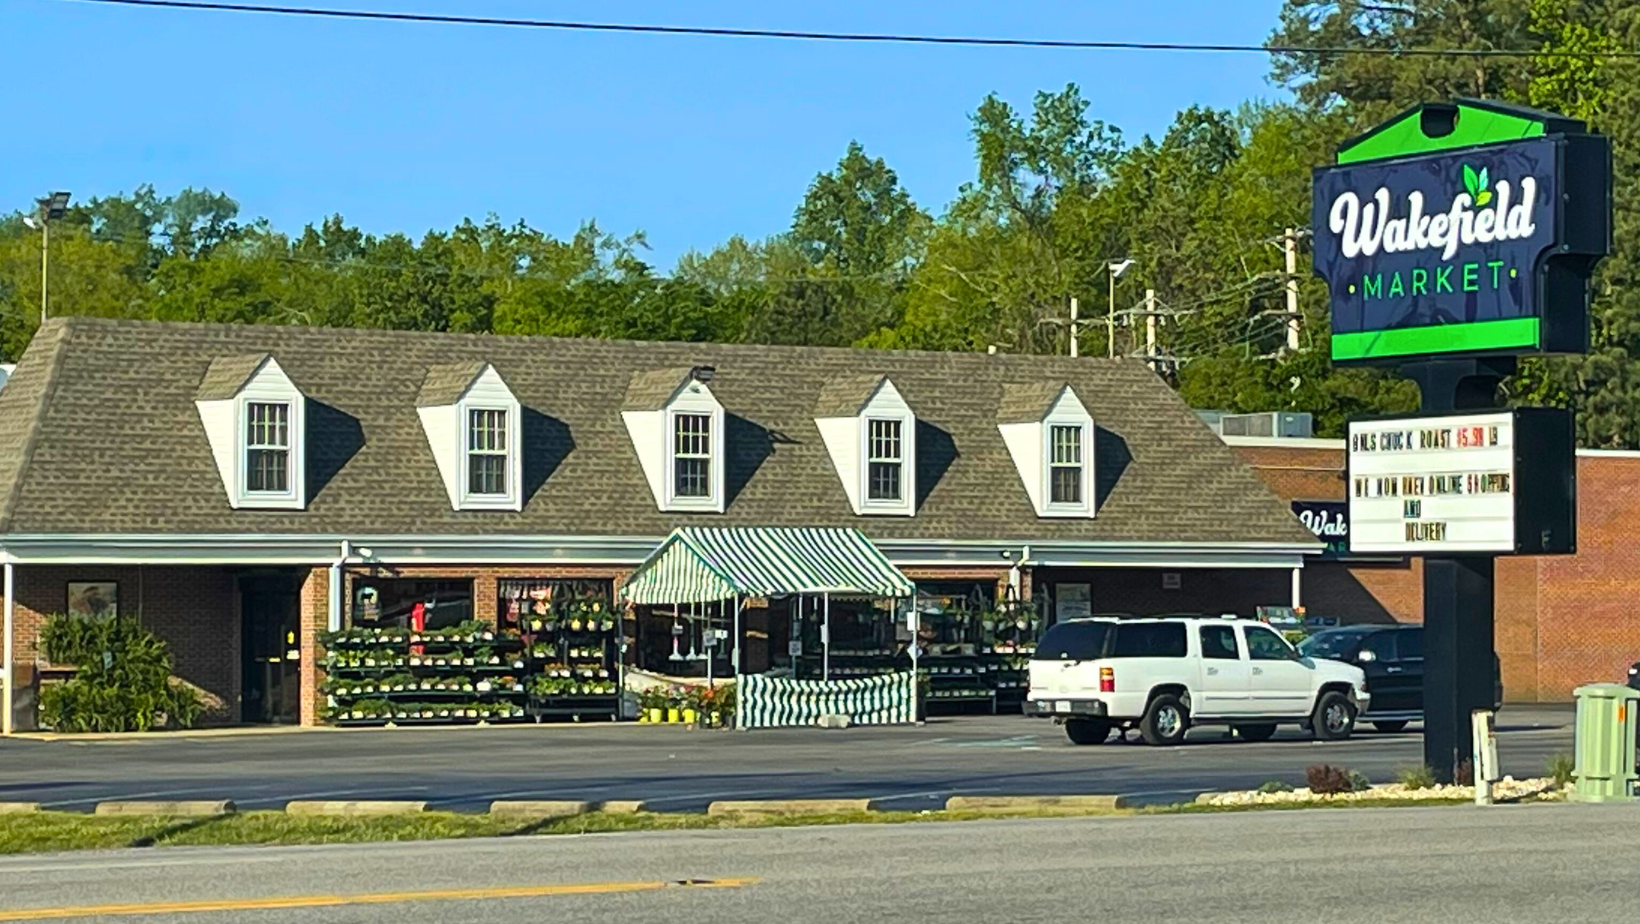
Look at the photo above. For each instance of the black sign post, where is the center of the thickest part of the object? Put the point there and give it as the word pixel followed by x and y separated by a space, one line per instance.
pixel 1455 238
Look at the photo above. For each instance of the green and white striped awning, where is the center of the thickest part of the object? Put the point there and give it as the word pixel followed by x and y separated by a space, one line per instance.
pixel 701 564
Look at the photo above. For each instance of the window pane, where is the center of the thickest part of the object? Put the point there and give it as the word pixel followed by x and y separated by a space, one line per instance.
pixel 1067 445
pixel 1264 645
pixel 486 473
pixel 267 424
pixel 1149 640
pixel 1073 641
pixel 1381 644
pixel 692 478
pixel 883 481
pixel 693 435
pixel 265 470
pixel 885 441
pixel 1067 484
pixel 1220 642
pixel 487 430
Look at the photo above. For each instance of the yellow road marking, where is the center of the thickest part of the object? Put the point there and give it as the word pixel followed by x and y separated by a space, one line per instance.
pixel 371 898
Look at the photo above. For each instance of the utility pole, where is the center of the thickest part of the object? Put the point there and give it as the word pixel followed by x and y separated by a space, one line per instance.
pixel 52 207
pixel 1150 331
pixel 1074 325
pixel 1110 317
pixel 1289 246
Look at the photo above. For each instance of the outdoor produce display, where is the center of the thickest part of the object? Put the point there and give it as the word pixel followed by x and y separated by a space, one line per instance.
pixel 464 673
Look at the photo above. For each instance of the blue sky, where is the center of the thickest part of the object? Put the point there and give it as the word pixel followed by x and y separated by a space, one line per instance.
pixel 405 127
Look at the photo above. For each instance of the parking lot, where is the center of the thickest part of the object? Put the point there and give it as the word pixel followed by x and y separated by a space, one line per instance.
pixel 679 769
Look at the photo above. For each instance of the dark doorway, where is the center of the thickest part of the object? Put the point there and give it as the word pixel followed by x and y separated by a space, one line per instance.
pixel 271 650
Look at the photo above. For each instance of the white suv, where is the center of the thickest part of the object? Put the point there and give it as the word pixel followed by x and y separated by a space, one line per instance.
pixel 1167 673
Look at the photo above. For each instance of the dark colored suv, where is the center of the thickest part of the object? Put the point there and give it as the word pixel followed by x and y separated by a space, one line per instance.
pixel 1393 659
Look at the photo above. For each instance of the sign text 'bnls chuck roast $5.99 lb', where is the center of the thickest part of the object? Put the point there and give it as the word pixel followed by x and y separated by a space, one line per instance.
pixel 1480 250
pixel 1472 482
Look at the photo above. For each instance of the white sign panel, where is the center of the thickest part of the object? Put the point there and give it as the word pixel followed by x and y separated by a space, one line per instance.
pixel 1431 485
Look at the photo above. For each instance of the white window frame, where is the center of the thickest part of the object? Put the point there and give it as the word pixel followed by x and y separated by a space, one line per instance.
pixel 1067 417
pixel 872 459
pixel 293 497
pixel 249 446
pixel 695 400
pixel 469 452
pixel 513 482
pixel 1081 465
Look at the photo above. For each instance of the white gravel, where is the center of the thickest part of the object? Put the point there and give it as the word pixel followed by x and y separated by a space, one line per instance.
pixel 1507 788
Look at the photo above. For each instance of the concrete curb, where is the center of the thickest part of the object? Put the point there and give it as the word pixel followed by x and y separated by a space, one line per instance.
pixel 1003 804
pixel 541 809
pixel 623 806
pixel 18 808
pixel 218 807
pixel 356 807
pixel 789 807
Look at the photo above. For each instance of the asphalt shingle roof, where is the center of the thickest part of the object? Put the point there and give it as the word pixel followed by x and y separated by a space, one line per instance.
pixel 227 374
pixel 1027 402
pixel 99 434
pixel 447 382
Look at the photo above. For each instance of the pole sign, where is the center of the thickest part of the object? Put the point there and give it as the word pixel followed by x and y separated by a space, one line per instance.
pixel 1473 241
pixel 1486 482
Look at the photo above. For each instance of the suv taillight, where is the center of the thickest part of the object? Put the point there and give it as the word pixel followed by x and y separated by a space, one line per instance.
pixel 1107 680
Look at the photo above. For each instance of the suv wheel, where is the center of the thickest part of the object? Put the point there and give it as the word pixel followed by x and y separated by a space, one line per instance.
pixel 1334 717
pixel 1087 731
pixel 1165 721
pixel 1256 732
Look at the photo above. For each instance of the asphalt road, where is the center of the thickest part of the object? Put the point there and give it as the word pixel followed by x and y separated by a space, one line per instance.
pixel 1528 864
pixel 677 769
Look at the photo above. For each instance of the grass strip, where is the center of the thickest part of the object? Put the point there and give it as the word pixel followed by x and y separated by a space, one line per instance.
pixel 59 831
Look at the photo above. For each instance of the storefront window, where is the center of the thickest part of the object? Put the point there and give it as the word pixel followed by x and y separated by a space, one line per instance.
pixel 412 603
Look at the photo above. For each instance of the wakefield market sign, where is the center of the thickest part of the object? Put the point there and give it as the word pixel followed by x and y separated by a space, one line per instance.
pixel 1467 229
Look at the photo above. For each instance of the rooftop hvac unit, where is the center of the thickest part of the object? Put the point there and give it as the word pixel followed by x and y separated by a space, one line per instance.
pixel 1282 424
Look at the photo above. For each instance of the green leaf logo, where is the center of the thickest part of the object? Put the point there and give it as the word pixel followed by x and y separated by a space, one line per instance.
pixel 1478 185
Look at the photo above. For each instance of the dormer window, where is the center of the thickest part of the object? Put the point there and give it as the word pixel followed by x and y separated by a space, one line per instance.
pixel 1065 465
pixel 487 452
pixel 870 434
pixel 267 447
pixel 253 414
pixel 885 460
pixel 1049 435
pixel 692 455
pixel 471 419
pixel 676 426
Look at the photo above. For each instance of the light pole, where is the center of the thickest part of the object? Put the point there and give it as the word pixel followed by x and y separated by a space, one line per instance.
pixel 52 207
pixel 1113 268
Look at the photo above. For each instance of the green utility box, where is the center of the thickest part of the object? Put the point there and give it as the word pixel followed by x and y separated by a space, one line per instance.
pixel 1606 718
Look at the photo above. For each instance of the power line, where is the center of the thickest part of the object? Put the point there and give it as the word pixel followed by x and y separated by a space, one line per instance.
pixel 871 37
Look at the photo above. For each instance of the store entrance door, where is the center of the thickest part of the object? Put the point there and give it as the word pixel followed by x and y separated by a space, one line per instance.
pixel 270 649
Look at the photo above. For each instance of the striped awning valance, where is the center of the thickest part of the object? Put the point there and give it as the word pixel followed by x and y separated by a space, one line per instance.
pixel 701 564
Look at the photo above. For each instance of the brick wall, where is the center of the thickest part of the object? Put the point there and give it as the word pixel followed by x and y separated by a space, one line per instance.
pixel 313 618
pixel 194 609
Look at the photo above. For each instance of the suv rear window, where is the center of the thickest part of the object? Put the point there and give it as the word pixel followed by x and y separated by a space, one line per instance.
pixel 1078 640
pixel 1149 640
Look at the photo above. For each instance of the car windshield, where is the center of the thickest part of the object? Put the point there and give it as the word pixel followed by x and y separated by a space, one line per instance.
pixel 1330 644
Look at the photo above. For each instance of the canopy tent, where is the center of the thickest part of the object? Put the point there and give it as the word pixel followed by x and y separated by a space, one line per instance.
pixel 699 564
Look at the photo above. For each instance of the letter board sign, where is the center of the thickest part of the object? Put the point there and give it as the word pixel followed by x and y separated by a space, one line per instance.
pixel 1480 482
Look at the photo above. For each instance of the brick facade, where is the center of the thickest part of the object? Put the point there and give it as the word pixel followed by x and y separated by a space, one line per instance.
pixel 194 609
pixel 1560 621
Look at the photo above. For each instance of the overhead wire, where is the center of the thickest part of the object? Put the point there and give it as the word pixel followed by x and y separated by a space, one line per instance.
pixel 823 36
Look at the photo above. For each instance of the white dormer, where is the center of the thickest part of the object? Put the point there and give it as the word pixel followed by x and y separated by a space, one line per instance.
pixel 471 419
pixel 255 420
pixel 676 426
pixel 1049 435
pixel 871 435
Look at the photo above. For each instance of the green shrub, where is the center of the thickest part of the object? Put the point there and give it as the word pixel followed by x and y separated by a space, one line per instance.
pixel 1560 769
pixel 124 680
pixel 1419 777
pixel 1276 786
pixel 1359 782
pixel 1325 780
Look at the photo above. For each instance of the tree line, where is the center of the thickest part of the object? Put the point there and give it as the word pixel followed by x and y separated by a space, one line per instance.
pixel 1056 195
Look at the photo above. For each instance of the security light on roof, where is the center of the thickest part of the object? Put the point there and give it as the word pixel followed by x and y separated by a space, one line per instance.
pixel 1118 267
